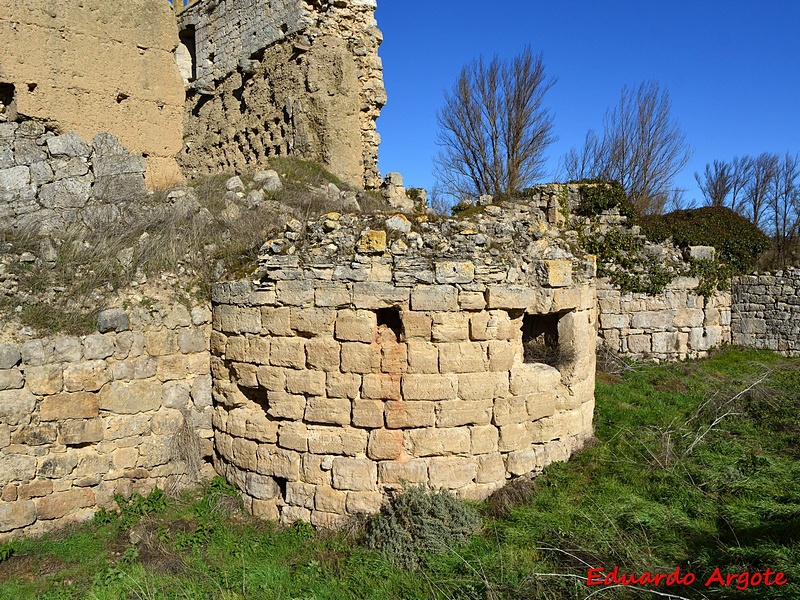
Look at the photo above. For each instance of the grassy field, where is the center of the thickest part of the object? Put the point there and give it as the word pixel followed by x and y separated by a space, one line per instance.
pixel 695 466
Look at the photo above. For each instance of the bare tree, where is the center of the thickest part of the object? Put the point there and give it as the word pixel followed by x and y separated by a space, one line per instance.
pixel 741 169
pixel 642 147
pixel 784 207
pixel 716 182
pixel 754 203
pixel 494 128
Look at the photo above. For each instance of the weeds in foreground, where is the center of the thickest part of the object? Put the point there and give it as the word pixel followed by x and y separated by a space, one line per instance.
pixel 730 502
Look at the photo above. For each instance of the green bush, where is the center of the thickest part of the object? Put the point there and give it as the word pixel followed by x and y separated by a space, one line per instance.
pixel 598 196
pixel 738 242
pixel 419 521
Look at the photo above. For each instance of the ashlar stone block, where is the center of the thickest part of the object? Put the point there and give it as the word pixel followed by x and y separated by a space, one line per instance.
pixel 434 297
pixel 408 415
pixel 334 411
pixel 438 442
pixel 454 413
pixel 356 326
pixel 359 475
pixel 452 472
pixel 463 357
pixel 429 387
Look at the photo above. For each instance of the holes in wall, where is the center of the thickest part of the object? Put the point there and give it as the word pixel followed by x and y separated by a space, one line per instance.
pixel 187 38
pixel 7 105
pixel 540 340
pixel 121 97
pixel 390 322
pixel 32 87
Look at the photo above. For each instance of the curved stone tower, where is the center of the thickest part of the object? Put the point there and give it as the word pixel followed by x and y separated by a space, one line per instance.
pixel 374 351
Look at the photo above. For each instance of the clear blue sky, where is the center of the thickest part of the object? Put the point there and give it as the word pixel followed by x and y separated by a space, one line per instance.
pixel 732 69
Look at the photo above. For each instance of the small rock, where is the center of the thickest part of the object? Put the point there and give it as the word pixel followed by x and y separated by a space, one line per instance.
pixel 27 257
pixel 269 181
pixel 234 184
pixel 398 223
pixel 255 198
pixel 112 319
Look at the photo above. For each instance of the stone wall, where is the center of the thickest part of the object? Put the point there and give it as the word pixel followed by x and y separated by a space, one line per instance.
pixel 48 181
pixel 674 325
pixel 283 78
pixel 84 418
pixel 766 311
pixel 96 66
pixel 390 350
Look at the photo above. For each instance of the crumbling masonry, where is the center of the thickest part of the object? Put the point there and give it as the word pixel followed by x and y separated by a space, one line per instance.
pixel 376 351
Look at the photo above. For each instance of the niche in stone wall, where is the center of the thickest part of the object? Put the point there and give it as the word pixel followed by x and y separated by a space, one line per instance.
pixel 187 38
pixel 7 105
pixel 540 340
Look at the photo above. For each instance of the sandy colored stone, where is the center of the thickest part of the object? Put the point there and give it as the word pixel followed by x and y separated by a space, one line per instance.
pixel 484 439
pixel 385 444
pixel 345 441
pixel 364 502
pixel 452 472
pixel 130 397
pixel 60 504
pixel 515 436
pixel 437 442
pixel 74 433
pixel 88 375
pixel 416 324
pixel 334 411
pixel 330 500
pixel 434 297
pixel 323 354
pixel 313 321
pixel 449 327
pixel 342 385
pixel 381 386
pixel 311 383
pixel 356 326
pixel 277 321
pixel 462 357
pixel 429 387
pixel 400 472
pixel 423 357
pixel 288 352
pixel 15 515
pixel 285 406
pixel 407 415
pixel 503 355
pixel 361 358
pixel 354 474
pixel 368 413
pixel 454 413
pixel 236 319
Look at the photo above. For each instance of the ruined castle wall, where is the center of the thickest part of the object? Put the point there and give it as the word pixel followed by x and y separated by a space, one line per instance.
pixel 284 79
pixel 49 181
pixel 96 66
pixel 85 418
pixel 766 311
pixel 390 351
pixel 674 325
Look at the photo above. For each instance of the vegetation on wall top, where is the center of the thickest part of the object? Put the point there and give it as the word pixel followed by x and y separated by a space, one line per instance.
pixel 738 242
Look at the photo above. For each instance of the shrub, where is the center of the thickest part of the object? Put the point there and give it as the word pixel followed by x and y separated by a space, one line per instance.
pixel 598 196
pixel 737 240
pixel 418 521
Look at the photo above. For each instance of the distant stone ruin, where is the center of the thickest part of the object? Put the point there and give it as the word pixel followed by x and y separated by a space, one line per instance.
pixel 272 78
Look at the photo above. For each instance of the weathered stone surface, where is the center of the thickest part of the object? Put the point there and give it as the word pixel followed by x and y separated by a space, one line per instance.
pixel 78 405
pixel 11 379
pixel 434 297
pixel 88 375
pixel 452 472
pixel 385 444
pixel 130 397
pixel 16 406
pixel 112 319
pixel 437 442
pixel 60 504
pixel 354 474
pixel 15 515
pixel 429 387
pixel 408 415
pixel 10 356
pixel 356 326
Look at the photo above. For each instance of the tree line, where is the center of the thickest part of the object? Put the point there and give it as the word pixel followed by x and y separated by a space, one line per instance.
pixel 494 129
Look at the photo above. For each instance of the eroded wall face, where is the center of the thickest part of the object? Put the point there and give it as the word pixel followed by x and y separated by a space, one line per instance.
pixel 284 79
pixel 95 66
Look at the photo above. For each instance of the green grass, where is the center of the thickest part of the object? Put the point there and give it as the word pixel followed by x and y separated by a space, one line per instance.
pixel 689 470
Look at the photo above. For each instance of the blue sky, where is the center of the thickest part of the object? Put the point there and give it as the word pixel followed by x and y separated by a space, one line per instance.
pixel 732 69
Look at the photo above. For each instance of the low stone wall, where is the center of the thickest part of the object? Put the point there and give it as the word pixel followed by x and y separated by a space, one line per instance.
pixel 48 181
pixel 766 311
pixel 674 325
pixel 392 351
pixel 84 418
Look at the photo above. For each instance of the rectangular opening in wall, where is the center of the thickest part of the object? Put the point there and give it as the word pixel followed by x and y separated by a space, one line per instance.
pixel 389 322
pixel 7 111
pixel 540 340
pixel 187 38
